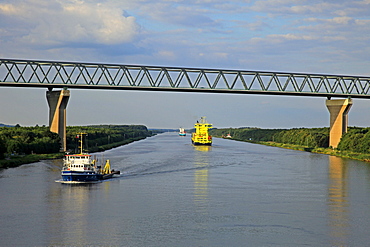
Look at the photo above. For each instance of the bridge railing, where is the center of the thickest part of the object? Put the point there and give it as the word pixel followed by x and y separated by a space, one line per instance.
pixel 53 74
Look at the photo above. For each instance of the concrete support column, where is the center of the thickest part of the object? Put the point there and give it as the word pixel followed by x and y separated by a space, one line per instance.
pixel 57 101
pixel 338 119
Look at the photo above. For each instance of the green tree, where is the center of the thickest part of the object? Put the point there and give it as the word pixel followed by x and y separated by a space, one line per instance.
pixel 2 148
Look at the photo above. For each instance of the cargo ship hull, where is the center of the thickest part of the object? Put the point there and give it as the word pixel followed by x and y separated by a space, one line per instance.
pixel 201 143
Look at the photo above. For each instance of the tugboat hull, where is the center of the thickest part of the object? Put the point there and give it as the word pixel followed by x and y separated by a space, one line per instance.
pixel 80 177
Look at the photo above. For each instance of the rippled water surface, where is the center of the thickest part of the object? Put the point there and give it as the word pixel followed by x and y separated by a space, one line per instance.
pixel 171 193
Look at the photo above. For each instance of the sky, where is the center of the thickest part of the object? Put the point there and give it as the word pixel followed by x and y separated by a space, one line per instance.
pixel 302 36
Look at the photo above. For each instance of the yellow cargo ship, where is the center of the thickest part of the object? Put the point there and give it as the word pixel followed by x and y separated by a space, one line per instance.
pixel 201 136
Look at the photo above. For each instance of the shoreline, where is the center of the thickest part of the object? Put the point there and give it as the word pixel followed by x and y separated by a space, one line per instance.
pixel 31 158
pixel 319 150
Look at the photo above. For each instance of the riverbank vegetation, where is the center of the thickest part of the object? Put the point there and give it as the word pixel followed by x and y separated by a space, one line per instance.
pixel 103 137
pixel 354 144
pixel 22 145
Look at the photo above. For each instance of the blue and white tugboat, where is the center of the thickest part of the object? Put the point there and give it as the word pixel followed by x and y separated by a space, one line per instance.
pixel 81 168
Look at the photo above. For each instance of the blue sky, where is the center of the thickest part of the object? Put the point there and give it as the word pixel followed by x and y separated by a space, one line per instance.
pixel 278 35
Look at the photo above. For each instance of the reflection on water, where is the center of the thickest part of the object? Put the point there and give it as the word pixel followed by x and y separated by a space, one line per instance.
pixel 202 148
pixel 70 215
pixel 337 201
pixel 201 163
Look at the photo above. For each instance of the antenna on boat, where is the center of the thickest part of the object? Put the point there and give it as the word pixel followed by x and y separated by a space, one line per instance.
pixel 80 140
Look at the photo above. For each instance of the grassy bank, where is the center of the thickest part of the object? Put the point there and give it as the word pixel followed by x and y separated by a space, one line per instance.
pixel 26 159
pixel 329 151
pixel 31 158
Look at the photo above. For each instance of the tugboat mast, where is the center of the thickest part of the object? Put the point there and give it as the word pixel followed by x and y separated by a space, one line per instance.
pixel 80 140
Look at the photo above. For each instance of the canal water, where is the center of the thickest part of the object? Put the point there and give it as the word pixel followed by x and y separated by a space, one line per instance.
pixel 172 193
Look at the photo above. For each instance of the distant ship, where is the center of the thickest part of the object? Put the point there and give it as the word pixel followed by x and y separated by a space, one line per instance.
pixel 182 132
pixel 201 136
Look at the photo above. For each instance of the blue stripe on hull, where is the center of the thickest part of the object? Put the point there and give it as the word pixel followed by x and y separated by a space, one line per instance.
pixel 80 177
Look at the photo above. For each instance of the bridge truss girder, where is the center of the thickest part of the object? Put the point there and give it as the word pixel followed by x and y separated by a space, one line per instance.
pixel 52 74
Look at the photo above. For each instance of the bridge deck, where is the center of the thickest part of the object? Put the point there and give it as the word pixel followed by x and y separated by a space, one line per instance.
pixel 52 74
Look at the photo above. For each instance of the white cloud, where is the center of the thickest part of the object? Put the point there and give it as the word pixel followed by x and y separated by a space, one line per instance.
pixel 313 7
pixel 171 14
pixel 52 22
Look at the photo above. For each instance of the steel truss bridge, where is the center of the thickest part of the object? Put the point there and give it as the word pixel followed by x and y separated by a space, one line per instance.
pixel 53 74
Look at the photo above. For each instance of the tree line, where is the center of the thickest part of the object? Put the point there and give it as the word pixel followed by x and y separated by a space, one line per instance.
pixel 101 137
pixel 28 140
pixel 355 140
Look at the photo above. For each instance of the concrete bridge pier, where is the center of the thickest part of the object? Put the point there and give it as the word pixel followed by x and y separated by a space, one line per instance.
pixel 338 109
pixel 57 101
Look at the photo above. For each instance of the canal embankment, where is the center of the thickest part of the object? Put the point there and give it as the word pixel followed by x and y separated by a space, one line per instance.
pixel 24 145
pixel 320 150
pixel 355 144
